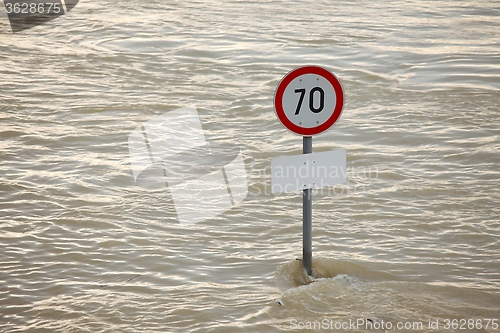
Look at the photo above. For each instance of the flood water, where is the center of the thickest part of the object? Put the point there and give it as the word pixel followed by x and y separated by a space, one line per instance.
pixel 412 238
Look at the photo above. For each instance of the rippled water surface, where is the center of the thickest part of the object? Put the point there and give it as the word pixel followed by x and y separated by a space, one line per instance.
pixel 412 237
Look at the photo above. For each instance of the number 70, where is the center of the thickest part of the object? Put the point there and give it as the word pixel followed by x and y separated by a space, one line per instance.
pixel 311 99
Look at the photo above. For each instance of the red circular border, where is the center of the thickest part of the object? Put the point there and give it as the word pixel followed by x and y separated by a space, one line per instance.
pixel 280 90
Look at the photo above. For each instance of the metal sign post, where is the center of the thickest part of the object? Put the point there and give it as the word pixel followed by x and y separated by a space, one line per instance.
pixel 307 214
pixel 308 101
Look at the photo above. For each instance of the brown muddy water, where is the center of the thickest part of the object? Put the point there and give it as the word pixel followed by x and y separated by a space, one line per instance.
pixel 411 241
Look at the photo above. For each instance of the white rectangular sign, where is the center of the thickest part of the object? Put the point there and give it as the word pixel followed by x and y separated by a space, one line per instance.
pixel 300 172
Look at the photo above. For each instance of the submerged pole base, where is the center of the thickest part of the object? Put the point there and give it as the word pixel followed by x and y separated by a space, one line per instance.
pixel 307 261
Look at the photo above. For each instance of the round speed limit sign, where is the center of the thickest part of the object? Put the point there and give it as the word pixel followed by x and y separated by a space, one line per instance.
pixel 309 100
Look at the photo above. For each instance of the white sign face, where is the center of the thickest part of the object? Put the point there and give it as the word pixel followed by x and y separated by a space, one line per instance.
pixel 300 172
pixel 309 100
